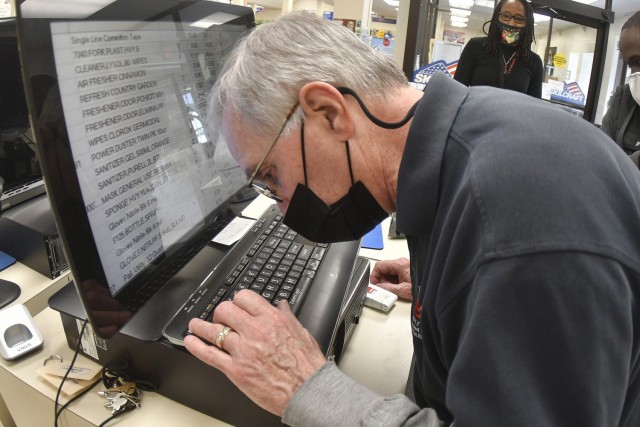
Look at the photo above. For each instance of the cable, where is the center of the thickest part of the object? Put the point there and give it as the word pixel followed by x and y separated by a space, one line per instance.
pixel 123 411
pixel 77 396
pixel 110 376
pixel 114 373
pixel 75 356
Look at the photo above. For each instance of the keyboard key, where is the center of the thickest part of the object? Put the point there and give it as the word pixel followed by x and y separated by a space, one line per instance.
pixel 305 252
pixel 295 248
pixel 268 295
pixel 299 294
pixel 318 253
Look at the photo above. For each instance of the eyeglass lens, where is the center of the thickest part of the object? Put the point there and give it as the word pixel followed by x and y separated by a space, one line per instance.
pixel 506 16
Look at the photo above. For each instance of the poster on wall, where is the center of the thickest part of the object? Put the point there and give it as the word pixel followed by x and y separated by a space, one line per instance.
pixel 383 45
pixel 349 23
pixel 5 8
pixel 453 36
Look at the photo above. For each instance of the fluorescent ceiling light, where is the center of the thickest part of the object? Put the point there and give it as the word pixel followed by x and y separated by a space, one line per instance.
pixel 458 24
pixel 540 18
pixel 463 4
pixel 459 12
pixel 217 18
pixel 62 8
pixel 392 2
pixel 487 3
pixel 459 19
pixel 585 1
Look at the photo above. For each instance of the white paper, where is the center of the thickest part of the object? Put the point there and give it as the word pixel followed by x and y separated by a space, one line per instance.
pixel 234 231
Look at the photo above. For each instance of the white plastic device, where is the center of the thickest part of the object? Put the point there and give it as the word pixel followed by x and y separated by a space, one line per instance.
pixel 380 298
pixel 18 333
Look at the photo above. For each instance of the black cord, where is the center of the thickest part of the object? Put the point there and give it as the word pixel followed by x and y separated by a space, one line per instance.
pixel 109 377
pixel 75 356
pixel 123 411
pixel 115 374
pixel 77 396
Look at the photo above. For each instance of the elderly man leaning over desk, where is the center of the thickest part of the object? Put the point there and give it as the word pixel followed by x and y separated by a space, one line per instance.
pixel 525 261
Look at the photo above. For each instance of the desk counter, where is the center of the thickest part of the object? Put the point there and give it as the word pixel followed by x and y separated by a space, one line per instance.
pixel 378 356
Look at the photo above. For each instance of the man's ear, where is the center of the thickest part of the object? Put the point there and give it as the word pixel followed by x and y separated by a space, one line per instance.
pixel 322 101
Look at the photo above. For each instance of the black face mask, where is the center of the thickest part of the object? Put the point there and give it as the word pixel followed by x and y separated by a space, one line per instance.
pixel 351 217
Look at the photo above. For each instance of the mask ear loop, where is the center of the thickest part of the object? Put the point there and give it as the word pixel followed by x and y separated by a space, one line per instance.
pixel 304 161
pixel 374 119
pixel 349 162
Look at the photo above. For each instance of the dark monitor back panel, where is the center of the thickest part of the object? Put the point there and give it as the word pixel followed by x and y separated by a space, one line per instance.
pixel 118 103
pixel 19 165
pixel 14 115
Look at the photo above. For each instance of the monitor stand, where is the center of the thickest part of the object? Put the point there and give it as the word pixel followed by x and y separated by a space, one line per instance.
pixel 9 291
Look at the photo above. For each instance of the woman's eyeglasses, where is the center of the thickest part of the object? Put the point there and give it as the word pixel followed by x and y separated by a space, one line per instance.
pixel 506 17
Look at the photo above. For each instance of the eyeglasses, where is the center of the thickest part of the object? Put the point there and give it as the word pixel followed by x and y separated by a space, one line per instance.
pixel 264 190
pixel 506 17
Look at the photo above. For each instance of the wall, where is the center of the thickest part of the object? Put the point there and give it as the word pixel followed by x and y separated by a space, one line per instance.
pixel 442 24
pixel 311 5
pixel 349 9
pixel 268 14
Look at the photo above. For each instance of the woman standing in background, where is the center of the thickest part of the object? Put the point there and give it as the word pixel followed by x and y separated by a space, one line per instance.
pixel 504 58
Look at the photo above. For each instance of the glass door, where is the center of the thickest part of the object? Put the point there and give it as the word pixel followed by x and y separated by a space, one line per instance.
pixel 571 42
pixel 570 38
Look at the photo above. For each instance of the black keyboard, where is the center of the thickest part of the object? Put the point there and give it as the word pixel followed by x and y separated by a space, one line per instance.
pixel 18 193
pixel 276 267
pixel 278 264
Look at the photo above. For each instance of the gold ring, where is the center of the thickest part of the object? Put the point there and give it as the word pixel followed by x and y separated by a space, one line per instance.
pixel 221 336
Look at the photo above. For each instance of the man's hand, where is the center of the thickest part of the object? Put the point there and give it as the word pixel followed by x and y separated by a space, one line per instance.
pixel 267 354
pixel 394 276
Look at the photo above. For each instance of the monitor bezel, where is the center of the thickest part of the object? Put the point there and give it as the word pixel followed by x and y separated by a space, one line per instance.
pixel 63 189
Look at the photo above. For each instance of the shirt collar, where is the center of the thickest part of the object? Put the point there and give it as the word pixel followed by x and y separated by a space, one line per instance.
pixel 419 174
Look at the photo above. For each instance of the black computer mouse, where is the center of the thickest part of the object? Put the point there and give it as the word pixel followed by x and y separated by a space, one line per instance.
pixel 17 334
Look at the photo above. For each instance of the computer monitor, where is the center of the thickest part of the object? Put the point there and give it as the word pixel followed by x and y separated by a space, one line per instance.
pixel 19 166
pixel 13 105
pixel 137 180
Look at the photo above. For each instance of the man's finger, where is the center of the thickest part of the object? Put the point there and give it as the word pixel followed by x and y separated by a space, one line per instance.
pixel 251 302
pixel 209 354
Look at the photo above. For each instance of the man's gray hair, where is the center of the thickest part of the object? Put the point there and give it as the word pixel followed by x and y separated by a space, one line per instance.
pixel 263 75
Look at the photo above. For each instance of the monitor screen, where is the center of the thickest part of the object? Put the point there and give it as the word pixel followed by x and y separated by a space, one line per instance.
pixel 136 177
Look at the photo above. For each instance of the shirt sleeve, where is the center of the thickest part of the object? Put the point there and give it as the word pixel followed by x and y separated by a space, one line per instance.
pixel 466 63
pixel 546 339
pixel 330 398
pixel 609 119
pixel 535 86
